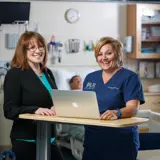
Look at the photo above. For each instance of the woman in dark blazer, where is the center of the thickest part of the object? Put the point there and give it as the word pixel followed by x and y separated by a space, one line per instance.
pixel 27 89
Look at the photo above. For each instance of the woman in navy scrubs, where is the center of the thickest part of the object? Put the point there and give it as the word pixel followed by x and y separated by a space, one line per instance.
pixel 119 92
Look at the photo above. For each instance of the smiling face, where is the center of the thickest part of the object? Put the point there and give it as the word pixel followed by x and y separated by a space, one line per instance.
pixel 31 49
pixel 35 52
pixel 108 53
pixel 106 57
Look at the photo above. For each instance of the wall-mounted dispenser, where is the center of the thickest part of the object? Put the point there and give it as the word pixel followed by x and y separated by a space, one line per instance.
pixel 128 44
pixel 11 40
pixel 72 45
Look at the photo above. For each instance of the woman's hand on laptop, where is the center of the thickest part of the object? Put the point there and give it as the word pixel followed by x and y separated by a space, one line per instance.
pixel 45 111
pixel 109 115
pixel 53 109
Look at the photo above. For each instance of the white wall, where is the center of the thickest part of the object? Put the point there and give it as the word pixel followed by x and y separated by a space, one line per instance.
pixel 96 20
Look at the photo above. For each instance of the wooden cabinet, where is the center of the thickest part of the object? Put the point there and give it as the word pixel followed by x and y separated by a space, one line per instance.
pixel 152 102
pixel 143 23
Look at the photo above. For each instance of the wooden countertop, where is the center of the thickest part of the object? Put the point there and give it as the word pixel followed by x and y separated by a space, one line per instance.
pixel 152 93
pixel 115 123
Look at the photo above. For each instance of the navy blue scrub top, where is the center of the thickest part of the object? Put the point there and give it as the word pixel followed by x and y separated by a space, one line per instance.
pixel 123 86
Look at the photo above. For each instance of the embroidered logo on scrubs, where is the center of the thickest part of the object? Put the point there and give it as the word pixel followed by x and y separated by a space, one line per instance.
pixel 113 88
pixel 90 85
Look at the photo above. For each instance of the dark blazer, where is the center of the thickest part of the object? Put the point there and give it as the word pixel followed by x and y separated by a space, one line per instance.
pixel 25 93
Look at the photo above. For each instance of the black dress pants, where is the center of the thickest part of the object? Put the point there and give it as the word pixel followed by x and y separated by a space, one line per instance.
pixel 27 150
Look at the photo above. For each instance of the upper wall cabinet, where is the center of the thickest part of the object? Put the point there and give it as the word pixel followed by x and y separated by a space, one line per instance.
pixel 143 23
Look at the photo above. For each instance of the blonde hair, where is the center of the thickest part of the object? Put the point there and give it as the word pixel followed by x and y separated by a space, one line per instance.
pixel 20 57
pixel 116 45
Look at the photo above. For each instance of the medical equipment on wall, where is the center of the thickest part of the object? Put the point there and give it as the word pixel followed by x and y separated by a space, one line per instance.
pixel 72 45
pixel 26 26
pixel 89 46
pixel 19 24
pixel 11 40
pixel 54 51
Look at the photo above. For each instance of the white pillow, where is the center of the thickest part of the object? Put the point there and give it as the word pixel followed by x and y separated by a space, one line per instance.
pixel 62 78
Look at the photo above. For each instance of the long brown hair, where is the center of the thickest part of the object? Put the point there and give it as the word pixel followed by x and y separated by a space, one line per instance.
pixel 20 57
pixel 116 45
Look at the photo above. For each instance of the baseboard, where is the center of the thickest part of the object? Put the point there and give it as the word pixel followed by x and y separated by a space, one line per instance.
pixel 5 147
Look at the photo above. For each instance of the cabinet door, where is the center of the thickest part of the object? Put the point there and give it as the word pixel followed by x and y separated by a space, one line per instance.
pixel 143 23
pixel 152 103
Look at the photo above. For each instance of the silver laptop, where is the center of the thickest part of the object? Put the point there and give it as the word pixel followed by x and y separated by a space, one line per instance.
pixel 79 104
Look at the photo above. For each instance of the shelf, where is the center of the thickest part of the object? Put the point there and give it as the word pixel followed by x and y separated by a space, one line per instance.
pixel 151 23
pixel 150 40
pixel 135 25
pixel 150 54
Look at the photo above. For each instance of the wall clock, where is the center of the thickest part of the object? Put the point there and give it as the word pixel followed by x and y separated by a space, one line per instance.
pixel 72 15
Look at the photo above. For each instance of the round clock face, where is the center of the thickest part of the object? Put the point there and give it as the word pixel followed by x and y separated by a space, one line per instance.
pixel 72 15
